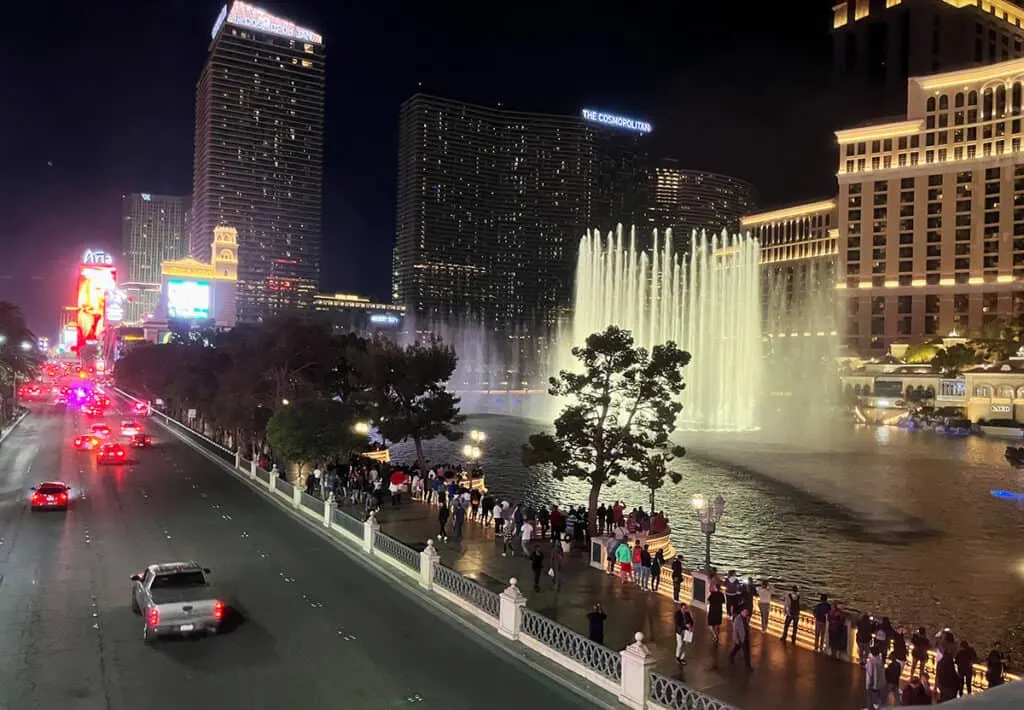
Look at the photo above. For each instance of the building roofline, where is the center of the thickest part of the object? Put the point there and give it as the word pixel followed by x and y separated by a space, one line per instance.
pixel 790 212
pixel 972 75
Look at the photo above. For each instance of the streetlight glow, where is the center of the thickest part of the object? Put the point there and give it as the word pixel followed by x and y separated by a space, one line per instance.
pixel 471 452
pixel 26 345
pixel 285 402
pixel 361 428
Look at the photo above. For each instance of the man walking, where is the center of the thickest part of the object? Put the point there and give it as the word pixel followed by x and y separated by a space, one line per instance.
pixel 677 576
pixel 874 681
pixel 741 635
pixel 684 632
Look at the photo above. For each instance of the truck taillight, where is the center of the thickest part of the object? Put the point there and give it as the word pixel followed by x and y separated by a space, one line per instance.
pixel 153 617
pixel 218 610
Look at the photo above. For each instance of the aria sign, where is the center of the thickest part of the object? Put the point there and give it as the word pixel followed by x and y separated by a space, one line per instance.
pixel 610 119
pixel 96 257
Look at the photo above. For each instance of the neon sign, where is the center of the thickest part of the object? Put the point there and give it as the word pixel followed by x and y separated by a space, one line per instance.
pixel 97 257
pixel 245 15
pixel 384 319
pixel 610 119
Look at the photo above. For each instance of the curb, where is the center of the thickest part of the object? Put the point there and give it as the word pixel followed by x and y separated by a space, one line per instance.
pixel 13 426
pixel 483 635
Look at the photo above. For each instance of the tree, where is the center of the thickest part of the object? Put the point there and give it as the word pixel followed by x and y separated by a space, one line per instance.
pixel 622 409
pixel 654 472
pixel 919 353
pixel 952 360
pixel 314 430
pixel 19 352
pixel 407 391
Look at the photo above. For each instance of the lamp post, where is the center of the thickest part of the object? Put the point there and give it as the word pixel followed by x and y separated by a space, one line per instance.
pixel 361 428
pixel 472 452
pixel 709 513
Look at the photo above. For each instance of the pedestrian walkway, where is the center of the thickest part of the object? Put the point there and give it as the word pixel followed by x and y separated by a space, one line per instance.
pixel 784 676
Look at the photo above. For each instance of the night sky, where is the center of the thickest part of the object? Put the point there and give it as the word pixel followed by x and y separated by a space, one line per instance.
pixel 99 100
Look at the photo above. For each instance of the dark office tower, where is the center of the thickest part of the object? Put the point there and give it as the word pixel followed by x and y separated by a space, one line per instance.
pixel 688 200
pixel 259 156
pixel 154 229
pixel 622 180
pixel 491 204
pixel 879 44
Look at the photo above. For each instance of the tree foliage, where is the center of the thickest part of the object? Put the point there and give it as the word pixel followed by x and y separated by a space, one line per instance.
pixel 919 353
pixel 951 361
pixel 407 391
pixel 17 361
pixel 312 431
pixel 238 382
pixel 622 408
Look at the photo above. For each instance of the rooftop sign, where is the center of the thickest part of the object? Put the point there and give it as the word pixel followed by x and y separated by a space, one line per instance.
pixel 610 119
pixel 254 18
pixel 96 257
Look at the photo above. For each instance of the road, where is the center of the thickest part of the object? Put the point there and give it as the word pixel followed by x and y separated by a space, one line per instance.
pixel 317 629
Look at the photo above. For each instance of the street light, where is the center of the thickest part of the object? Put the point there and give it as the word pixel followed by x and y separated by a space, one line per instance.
pixel 285 402
pixel 477 436
pixel 361 428
pixel 472 452
pixel 709 513
pixel 26 345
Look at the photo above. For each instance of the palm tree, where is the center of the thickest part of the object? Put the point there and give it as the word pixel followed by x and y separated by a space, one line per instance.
pixel 19 354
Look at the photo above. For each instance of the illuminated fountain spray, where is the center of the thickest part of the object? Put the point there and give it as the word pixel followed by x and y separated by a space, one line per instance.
pixel 708 304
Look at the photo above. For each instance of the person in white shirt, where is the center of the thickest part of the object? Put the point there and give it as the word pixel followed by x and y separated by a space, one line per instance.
pixel 527 535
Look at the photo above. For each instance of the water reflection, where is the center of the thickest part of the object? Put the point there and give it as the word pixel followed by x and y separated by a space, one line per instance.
pixel 888 521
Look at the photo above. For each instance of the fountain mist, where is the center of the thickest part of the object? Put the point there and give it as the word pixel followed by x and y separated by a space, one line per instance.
pixel 707 303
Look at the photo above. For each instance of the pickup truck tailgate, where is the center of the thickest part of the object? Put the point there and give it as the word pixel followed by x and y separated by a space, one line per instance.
pixel 181 606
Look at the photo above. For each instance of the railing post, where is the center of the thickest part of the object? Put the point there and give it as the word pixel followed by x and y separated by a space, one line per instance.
pixel 252 468
pixel 370 528
pixel 296 496
pixel 510 610
pixel 238 460
pixel 328 508
pixel 428 560
pixel 637 664
pixel 272 478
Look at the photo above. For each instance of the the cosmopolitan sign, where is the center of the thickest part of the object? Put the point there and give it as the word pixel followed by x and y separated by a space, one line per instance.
pixel 610 119
pixel 96 257
pixel 254 18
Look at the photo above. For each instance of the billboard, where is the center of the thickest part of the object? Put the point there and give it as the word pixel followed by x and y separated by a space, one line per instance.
pixel 95 281
pixel 188 300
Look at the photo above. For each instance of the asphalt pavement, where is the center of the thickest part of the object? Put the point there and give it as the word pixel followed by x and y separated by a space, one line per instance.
pixel 314 629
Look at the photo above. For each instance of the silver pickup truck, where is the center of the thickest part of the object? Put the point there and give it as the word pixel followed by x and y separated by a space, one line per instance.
pixel 175 599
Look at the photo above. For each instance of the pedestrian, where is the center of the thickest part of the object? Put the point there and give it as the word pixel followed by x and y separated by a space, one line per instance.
pixel 716 600
pixel 442 521
pixel 995 666
pixel 893 671
pixel 526 535
pixel 656 566
pixel 636 557
pixel 677 576
pixel 914 693
pixel 610 546
pixel 946 677
pixel 684 632
pixel 920 645
pixel 460 519
pixel 646 561
pixel 874 679
pixel 865 637
pixel 508 548
pixel 537 565
pixel 837 631
pixel 557 560
pixel 732 593
pixel 625 560
pixel 792 612
pixel 596 619
pixel 966 657
pixel 764 605
pixel 820 612
pixel 741 635
pixel 601 514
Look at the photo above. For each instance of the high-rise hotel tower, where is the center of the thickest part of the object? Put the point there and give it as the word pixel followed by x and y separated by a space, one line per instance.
pixel 259 156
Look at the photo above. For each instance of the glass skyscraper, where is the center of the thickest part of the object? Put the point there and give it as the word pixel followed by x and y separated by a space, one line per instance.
pixel 154 229
pixel 259 156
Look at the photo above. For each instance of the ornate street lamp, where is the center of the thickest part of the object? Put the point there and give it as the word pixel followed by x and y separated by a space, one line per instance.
pixel 472 452
pixel 709 513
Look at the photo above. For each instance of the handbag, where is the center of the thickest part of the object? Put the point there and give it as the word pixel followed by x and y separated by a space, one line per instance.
pixel 551 571
pixel 688 636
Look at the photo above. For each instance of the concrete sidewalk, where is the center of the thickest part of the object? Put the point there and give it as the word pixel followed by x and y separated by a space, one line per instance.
pixel 784 676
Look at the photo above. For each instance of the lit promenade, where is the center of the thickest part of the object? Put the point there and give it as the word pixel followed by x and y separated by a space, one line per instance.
pixel 783 677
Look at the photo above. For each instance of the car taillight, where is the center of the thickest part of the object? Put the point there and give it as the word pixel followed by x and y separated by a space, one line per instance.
pixel 36 499
pixel 153 617
pixel 120 454
pixel 62 498
pixel 218 610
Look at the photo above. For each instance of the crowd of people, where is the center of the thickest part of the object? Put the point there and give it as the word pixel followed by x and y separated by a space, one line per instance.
pixel 545 535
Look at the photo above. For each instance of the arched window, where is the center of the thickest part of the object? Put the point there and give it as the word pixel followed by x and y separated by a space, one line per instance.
pixel 1016 97
pixel 943 102
pixel 930 106
pixel 983 391
pixel 929 393
pixel 1001 101
pixel 972 98
pixel 1020 392
pixel 1004 392
pixel 986 104
pixel 958 101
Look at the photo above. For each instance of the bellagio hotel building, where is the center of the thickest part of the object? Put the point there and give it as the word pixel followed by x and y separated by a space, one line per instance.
pixel 929 216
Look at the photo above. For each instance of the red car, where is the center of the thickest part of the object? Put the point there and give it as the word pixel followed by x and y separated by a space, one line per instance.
pixel 86 442
pixel 52 495
pixel 111 453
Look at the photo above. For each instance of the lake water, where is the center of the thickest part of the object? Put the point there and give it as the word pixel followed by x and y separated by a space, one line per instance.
pixel 897 523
